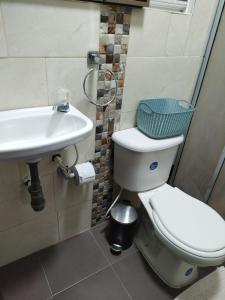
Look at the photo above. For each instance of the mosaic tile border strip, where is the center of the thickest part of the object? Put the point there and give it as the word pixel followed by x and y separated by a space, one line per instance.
pixel 113 46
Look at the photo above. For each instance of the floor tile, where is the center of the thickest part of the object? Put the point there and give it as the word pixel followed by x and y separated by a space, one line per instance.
pixel 140 281
pixel 101 286
pixel 99 233
pixel 71 261
pixel 23 279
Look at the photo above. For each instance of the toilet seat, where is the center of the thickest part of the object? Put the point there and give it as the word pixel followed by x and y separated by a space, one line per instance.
pixel 201 238
pixel 199 257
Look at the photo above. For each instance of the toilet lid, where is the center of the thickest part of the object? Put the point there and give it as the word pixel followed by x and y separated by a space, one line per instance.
pixel 188 220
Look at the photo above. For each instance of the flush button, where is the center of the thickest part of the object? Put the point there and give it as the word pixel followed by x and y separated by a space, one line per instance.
pixel 153 165
pixel 188 272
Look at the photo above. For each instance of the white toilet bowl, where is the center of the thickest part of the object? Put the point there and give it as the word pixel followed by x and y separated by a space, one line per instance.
pixel 181 246
pixel 200 239
pixel 177 233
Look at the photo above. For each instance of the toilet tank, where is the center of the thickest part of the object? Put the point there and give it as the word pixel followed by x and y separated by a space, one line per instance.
pixel 142 163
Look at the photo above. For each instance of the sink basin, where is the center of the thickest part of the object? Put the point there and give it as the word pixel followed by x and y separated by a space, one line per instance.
pixel 31 132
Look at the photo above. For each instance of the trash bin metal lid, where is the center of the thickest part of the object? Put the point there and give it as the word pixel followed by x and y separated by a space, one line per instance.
pixel 124 214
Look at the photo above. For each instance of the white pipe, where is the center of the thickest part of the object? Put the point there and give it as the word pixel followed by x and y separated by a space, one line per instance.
pixel 114 202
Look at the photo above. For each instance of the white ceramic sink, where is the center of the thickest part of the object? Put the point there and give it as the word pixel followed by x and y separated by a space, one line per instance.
pixel 30 132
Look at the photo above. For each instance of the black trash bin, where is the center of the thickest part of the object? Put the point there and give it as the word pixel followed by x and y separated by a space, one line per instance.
pixel 122 226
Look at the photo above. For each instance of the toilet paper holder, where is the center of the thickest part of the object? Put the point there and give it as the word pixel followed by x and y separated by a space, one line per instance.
pixel 81 173
pixel 68 167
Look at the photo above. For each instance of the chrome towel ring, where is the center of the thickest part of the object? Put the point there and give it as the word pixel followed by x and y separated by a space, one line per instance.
pixel 93 61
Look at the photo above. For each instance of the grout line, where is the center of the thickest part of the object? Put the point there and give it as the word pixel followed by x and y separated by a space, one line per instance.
pixel 53 190
pixel 165 50
pixel 188 36
pixel 84 57
pixel 124 257
pixel 111 264
pixel 58 229
pixel 100 248
pixel 56 208
pixel 4 32
pixel 31 219
pixel 46 278
pixel 98 224
pixel 74 284
pixel 46 80
pixel 121 282
pixel 42 56
pixel 166 57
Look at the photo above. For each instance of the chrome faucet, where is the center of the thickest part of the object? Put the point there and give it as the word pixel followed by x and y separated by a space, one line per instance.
pixel 62 106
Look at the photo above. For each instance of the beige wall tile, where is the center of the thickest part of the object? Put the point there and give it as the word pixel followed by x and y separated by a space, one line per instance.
pixel 86 148
pixel 159 77
pixel 200 26
pixel 45 167
pixel 128 120
pixel 75 219
pixel 69 73
pixel 15 208
pixel 9 171
pixel 27 238
pixel 178 34
pixel 22 83
pixel 148 33
pixel 67 194
pixel 9 178
pixel 3 48
pixel 50 28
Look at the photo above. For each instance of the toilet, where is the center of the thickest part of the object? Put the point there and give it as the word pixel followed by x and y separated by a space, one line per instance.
pixel 177 233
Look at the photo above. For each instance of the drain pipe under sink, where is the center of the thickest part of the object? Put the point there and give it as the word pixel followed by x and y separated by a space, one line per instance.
pixel 34 187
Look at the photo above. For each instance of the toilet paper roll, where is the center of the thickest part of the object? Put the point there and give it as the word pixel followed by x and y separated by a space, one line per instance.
pixel 84 173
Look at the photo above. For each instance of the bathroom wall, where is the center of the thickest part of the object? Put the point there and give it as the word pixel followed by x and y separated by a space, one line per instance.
pixel 164 55
pixel 205 137
pixel 43 46
pixel 113 47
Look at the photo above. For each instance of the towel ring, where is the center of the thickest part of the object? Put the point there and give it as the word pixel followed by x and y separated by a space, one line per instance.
pixel 93 101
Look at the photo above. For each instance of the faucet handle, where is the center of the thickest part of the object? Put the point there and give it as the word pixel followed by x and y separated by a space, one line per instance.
pixel 63 104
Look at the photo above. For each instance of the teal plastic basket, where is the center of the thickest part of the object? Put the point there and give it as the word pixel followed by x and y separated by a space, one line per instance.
pixel 163 118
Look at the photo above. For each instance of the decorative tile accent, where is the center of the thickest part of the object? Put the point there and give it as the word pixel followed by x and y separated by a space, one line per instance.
pixel 103 27
pixel 113 45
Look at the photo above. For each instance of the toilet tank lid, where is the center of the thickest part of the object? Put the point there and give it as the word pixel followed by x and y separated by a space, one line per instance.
pixel 133 139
